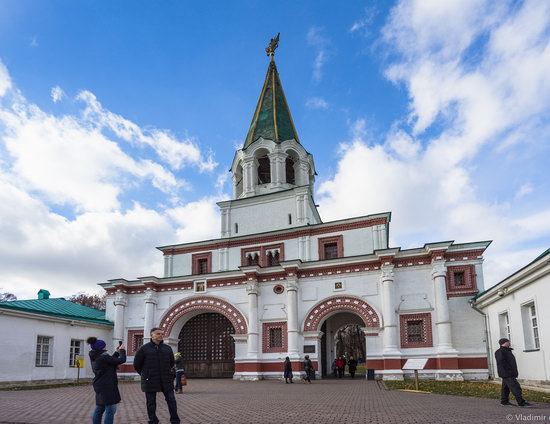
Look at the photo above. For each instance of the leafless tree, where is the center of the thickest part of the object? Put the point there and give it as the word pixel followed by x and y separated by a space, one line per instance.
pixel 92 300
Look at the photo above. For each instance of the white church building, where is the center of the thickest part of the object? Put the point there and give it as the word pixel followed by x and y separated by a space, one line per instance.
pixel 281 282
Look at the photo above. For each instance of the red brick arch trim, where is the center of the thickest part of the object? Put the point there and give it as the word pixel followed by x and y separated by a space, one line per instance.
pixel 341 304
pixel 205 304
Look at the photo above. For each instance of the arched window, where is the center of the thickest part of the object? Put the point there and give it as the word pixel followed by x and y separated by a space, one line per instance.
pixel 264 170
pixel 289 168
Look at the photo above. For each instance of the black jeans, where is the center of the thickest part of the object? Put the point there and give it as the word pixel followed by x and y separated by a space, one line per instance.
pixel 340 372
pixel 510 384
pixel 152 407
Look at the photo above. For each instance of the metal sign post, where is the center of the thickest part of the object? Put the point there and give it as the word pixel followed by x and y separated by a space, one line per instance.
pixel 415 364
pixel 79 363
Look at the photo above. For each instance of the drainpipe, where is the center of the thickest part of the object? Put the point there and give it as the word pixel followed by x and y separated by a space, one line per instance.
pixel 487 338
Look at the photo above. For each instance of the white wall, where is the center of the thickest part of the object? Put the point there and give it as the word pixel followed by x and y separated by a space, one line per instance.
pixel 531 365
pixel 19 335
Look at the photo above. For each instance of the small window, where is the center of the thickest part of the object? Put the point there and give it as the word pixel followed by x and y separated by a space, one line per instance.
pixel 236 228
pixel 289 219
pixel 203 266
pixel 76 350
pixel 504 325
pixel 459 279
pixel 252 259
pixel 200 286
pixel 272 258
pixel 137 342
pixel 338 285
pixel 275 337
pixel 415 331
pixel 530 326
pixel 331 250
pixel 44 351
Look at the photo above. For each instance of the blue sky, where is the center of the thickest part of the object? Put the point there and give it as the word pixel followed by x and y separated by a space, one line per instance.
pixel 119 121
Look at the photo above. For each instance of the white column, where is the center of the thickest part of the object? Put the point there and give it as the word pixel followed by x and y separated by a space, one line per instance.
pixel 121 300
pixel 249 174
pixel 277 166
pixel 223 262
pixel 442 315
pixel 226 223
pixel 292 319
pixel 301 172
pixel 388 309
pixel 253 325
pixel 150 302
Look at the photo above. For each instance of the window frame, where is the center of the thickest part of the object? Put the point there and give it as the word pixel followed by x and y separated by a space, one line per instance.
pixel 72 352
pixel 427 333
pixel 323 241
pixel 266 337
pixel 39 354
pixel 195 258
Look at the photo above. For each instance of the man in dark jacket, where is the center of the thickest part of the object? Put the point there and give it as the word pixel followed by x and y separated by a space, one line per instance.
pixel 508 370
pixel 105 381
pixel 154 361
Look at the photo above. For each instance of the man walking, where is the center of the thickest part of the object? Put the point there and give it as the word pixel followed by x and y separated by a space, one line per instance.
pixel 508 371
pixel 154 361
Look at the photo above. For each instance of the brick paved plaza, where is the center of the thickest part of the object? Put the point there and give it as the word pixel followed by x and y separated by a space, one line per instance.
pixel 227 401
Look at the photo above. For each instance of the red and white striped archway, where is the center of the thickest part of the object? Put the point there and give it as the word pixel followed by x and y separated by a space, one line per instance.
pixel 204 304
pixel 335 304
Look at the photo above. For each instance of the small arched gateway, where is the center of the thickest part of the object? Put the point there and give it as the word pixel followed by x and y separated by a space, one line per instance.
pixel 203 327
pixel 339 325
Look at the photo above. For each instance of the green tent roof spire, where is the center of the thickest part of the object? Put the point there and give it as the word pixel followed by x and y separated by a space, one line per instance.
pixel 272 119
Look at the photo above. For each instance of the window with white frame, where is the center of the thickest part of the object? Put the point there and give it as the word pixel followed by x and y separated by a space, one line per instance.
pixel 76 350
pixel 44 347
pixel 530 326
pixel 504 325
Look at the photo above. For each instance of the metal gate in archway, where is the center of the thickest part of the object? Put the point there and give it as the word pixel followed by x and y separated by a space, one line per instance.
pixel 207 348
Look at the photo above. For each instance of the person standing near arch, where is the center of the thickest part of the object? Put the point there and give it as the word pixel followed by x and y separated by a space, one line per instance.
pixel 154 362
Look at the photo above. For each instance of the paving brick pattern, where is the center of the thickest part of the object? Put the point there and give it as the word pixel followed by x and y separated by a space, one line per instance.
pixel 227 401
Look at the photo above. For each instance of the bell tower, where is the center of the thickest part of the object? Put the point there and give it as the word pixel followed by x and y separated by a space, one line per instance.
pixel 271 168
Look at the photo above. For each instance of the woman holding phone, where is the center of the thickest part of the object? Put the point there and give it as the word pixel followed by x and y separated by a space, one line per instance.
pixel 105 381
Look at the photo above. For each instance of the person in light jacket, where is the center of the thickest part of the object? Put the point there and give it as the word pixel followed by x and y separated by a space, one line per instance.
pixel 105 381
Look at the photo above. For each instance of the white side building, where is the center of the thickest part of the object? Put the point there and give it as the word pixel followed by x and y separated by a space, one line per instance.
pixel 516 308
pixel 43 337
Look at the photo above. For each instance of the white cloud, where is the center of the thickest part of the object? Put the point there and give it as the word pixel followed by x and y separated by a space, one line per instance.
pixel 322 47
pixel 83 165
pixel 317 103
pixel 478 79
pixel 5 80
pixel 57 94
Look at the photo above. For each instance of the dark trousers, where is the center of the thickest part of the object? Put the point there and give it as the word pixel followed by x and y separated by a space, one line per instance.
pixel 152 407
pixel 510 384
pixel 340 372
pixel 352 373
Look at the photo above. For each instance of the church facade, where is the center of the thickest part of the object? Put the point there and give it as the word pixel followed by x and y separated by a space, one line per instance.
pixel 281 282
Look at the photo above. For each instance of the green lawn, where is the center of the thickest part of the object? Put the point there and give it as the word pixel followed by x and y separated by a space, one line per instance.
pixel 465 388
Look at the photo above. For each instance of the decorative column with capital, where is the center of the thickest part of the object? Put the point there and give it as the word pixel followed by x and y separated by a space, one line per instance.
pixel 249 176
pixel 292 319
pixel 253 326
pixel 277 166
pixel 121 300
pixel 150 302
pixel 442 315
pixel 388 309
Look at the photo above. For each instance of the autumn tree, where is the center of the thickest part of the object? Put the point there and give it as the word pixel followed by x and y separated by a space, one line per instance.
pixel 92 300
pixel 7 297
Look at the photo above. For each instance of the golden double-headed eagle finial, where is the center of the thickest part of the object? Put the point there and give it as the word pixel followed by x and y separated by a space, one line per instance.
pixel 273 44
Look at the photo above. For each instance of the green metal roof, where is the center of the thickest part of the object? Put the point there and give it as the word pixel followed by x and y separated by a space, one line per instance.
pixel 272 118
pixel 59 308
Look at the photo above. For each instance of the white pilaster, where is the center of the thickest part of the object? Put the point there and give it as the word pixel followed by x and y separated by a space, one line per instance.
pixel 388 309
pixel 277 166
pixel 150 302
pixel 121 300
pixel 442 315
pixel 292 319
pixel 249 176
pixel 253 325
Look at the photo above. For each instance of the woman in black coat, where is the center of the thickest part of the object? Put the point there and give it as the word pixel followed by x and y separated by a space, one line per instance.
pixel 288 370
pixel 105 381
